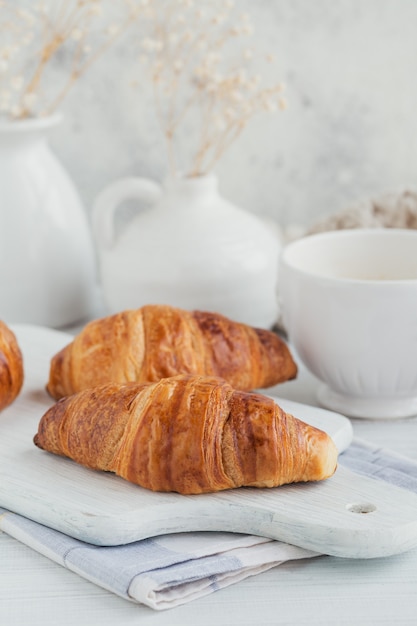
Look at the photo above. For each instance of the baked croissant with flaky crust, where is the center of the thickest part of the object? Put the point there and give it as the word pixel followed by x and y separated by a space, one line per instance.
pixel 157 341
pixel 11 366
pixel 190 434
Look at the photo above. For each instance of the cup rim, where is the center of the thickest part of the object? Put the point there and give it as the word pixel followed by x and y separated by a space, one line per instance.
pixel 344 234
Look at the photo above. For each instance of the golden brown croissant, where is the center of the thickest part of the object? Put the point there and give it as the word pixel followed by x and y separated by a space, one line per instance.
pixel 190 434
pixel 157 341
pixel 11 366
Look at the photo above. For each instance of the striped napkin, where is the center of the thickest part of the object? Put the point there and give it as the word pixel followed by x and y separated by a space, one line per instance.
pixel 164 572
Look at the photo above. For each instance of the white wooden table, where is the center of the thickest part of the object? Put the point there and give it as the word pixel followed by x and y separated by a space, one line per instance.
pixel 321 591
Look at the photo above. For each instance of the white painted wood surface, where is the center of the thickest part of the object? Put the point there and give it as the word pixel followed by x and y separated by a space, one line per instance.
pixel 103 509
pixel 317 592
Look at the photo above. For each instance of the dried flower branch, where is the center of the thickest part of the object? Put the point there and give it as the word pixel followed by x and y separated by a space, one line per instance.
pixel 32 38
pixel 198 58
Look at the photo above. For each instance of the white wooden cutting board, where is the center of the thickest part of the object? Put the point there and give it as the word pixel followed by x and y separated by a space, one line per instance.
pixel 346 515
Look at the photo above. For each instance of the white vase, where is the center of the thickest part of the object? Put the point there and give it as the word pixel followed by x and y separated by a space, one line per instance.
pixel 191 249
pixel 46 252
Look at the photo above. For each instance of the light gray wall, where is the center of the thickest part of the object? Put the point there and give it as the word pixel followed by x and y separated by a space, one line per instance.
pixel 350 67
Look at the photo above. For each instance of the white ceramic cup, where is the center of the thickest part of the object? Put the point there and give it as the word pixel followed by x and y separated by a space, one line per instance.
pixel 349 305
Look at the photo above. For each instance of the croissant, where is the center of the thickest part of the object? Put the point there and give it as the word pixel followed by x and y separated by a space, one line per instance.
pixel 11 366
pixel 189 434
pixel 156 341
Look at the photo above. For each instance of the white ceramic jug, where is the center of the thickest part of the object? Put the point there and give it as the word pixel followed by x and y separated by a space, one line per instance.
pixel 190 249
pixel 46 251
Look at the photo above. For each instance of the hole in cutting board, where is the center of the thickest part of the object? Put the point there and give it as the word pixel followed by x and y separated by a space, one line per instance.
pixel 361 507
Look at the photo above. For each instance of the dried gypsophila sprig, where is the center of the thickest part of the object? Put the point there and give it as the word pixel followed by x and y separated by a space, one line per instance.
pixel 199 61
pixel 33 37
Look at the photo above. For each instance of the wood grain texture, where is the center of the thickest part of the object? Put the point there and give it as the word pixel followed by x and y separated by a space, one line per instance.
pixel 105 510
pixel 317 592
pixel 314 592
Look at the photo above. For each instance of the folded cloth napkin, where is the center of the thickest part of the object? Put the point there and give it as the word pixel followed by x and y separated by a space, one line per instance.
pixel 164 572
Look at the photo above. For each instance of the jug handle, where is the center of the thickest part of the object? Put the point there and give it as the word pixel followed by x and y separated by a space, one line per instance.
pixel 108 200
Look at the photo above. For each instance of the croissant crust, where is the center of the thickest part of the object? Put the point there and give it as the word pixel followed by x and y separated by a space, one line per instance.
pixel 189 434
pixel 11 366
pixel 157 341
